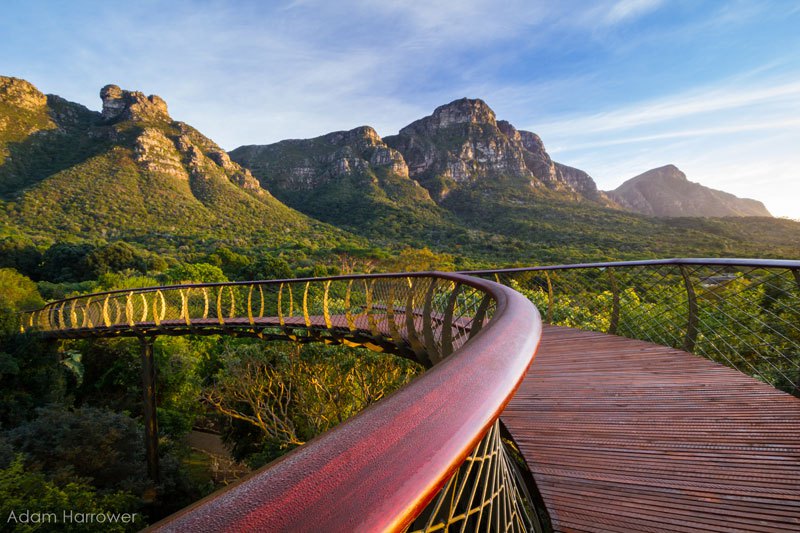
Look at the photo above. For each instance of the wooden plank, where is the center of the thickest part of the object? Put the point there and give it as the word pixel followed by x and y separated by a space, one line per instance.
pixel 624 435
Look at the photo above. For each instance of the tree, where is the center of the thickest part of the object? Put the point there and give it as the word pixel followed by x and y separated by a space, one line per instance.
pixel 194 273
pixel 67 262
pixel 116 257
pixel 267 267
pixel 229 261
pixel 292 393
pixel 21 255
pixel 414 260
pixel 22 489
pixel 94 444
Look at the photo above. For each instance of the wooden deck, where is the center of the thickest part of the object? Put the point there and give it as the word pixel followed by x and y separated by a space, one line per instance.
pixel 623 435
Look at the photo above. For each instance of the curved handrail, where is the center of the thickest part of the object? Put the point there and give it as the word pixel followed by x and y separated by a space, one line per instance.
pixel 689 261
pixel 380 469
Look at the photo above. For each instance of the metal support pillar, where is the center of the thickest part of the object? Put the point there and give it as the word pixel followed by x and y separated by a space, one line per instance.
pixel 150 419
pixel 690 339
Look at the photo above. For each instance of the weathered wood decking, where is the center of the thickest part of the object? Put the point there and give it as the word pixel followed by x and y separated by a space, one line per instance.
pixel 623 435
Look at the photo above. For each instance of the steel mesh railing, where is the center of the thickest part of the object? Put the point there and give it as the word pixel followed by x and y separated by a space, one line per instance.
pixel 423 316
pixel 485 494
pixel 741 313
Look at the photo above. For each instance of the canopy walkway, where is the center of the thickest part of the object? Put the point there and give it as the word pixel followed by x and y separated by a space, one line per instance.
pixel 619 434
pixel 624 435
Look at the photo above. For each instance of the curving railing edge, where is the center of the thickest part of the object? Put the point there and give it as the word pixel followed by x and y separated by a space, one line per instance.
pixel 380 469
pixel 740 312
pixel 688 261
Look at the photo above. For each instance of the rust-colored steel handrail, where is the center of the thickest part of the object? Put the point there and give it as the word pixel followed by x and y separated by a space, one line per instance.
pixel 382 469
pixel 744 313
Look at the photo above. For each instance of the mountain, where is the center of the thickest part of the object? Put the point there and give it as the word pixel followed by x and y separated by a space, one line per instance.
pixel 462 144
pixel 130 172
pixel 351 179
pixel 666 192
pixel 409 187
pixel 459 180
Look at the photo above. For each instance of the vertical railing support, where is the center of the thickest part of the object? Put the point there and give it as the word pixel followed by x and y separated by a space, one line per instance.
pixel 614 323
pixel 549 298
pixel 690 339
pixel 150 418
pixel 447 323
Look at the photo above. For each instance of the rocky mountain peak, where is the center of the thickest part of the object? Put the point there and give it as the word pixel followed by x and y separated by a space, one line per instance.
pixel 21 93
pixel 119 104
pixel 463 111
pixel 462 144
pixel 665 191
pixel 531 142
pixel 666 174
pixel 361 138
pixel 509 130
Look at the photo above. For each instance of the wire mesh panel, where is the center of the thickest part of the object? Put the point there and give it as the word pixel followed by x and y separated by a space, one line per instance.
pixel 741 313
pixel 484 494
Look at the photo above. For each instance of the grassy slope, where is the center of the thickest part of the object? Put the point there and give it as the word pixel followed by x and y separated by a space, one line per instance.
pixel 70 177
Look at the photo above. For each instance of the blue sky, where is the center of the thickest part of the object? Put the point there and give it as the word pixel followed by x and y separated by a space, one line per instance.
pixel 614 87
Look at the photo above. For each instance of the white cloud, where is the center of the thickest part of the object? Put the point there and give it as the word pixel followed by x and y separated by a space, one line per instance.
pixel 627 9
pixel 721 97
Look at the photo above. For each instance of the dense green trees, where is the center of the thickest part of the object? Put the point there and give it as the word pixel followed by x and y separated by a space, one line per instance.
pixel 291 394
pixel 69 504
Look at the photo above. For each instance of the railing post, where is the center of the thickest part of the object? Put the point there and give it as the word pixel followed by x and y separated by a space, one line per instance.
pixel 690 339
pixel 150 418
pixel 614 323
pixel 796 274
pixel 447 323
pixel 549 298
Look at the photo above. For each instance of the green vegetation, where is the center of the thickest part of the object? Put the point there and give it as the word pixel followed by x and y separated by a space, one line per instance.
pixel 71 420
pixel 86 206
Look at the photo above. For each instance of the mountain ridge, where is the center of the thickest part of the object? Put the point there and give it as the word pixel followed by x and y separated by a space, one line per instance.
pixel 137 174
pixel 666 191
pixel 458 181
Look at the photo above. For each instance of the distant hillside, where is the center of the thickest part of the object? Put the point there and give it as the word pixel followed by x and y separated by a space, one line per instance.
pixel 351 179
pixel 666 192
pixel 129 172
pixel 458 181
pixel 462 181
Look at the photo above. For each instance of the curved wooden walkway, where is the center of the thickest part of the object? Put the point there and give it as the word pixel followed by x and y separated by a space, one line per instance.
pixel 624 435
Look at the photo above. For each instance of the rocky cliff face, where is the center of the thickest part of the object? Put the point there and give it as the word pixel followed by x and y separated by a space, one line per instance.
pixel 462 143
pixel 119 104
pixel 349 178
pixel 666 192
pixel 310 163
pixel 22 94
pixel 130 169
pixel 459 143
pixel 165 146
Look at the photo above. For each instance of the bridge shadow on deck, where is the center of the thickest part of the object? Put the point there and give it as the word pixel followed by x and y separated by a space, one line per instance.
pixel 624 435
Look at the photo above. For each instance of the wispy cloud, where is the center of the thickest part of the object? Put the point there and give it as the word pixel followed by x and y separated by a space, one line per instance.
pixel 751 127
pixel 725 97
pixel 627 9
